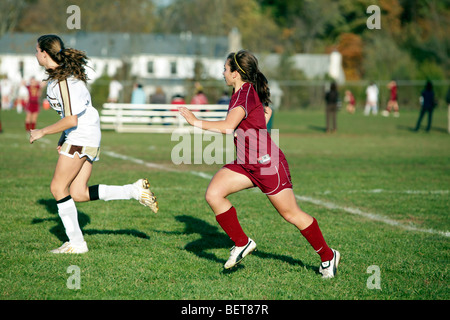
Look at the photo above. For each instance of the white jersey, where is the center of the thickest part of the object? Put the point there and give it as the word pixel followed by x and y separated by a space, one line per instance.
pixel 71 97
pixel 372 93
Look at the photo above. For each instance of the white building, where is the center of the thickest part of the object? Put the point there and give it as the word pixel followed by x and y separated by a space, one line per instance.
pixel 154 59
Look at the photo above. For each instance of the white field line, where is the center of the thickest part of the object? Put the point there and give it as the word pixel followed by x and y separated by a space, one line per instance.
pixel 326 204
pixel 371 216
pixel 137 161
pixel 388 191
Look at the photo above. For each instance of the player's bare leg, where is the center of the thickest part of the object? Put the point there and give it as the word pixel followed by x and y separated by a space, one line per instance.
pixel 224 183
pixel 66 170
pixel 287 207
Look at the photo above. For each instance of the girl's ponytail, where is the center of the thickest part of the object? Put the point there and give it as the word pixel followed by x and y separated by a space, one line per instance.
pixel 262 88
pixel 71 62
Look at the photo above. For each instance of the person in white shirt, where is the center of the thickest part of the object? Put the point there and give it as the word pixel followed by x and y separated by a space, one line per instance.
pixel 372 100
pixel 79 145
pixel 115 87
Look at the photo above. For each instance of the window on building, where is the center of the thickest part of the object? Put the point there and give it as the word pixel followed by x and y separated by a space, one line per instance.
pixel 173 67
pixel 150 67
pixel 21 69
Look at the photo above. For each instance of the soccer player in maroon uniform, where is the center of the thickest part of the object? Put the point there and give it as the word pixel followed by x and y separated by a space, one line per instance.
pixel 32 108
pixel 393 100
pixel 259 163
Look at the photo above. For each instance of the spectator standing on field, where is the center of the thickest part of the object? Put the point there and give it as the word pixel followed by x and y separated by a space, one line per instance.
pixel 159 97
pixel 199 97
pixel 428 102
pixel 371 100
pixel 138 94
pixel 447 98
pixel 115 87
pixel 331 98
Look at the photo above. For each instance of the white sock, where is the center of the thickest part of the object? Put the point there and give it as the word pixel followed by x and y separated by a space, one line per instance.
pixel 69 216
pixel 125 192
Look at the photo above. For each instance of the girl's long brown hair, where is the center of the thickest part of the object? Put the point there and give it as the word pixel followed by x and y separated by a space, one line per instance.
pixel 71 62
pixel 246 64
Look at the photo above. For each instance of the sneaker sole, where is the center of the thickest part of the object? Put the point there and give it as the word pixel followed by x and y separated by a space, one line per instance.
pixel 154 205
pixel 336 263
pixel 145 183
pixel 338 259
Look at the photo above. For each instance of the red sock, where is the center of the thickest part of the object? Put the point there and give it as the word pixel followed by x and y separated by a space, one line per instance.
pixel 315 238
pixel 229 222
pixel 33 125
pixel 27 126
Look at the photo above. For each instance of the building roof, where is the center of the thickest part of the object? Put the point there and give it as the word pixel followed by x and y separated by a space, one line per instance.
pixel 119 45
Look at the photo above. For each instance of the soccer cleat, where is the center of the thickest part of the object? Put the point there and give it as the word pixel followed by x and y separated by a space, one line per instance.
pixel 67 247
pixel 328 269
pixel 145 196
pixel 239 253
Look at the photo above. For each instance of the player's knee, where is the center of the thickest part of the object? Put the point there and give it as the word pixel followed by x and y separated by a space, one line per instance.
pixel 293 215
pixel 289 216
pixel 56 190
pixel 79 195
pixel 209 197
pixel 212 195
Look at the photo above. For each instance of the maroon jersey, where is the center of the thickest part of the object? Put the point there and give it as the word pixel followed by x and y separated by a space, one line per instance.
pixel 258 157
pixel 393 96
pixel 33 100
pixel 254 146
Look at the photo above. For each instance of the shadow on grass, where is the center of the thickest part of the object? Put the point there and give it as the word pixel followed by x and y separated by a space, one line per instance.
pixel 83 220
pixel 422 129
pixel 212 238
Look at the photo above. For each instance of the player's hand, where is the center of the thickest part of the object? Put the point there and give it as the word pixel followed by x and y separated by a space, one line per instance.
pixel 188 115
pixel 35 135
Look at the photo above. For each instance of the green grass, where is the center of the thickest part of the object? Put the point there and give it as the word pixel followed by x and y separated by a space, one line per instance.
pixel 374 164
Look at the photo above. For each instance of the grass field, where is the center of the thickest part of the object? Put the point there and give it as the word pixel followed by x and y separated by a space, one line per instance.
pixel 379 191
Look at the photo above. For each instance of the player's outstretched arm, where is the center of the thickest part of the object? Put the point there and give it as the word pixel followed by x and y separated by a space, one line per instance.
pixel 229 124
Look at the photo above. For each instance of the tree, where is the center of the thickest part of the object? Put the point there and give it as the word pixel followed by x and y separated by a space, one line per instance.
pixel 44 16
pixel 10 14
pixel 218 18
pixel 350 46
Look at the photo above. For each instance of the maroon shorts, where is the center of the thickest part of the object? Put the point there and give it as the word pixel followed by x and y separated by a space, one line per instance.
pixel 33 106
pixel 270 180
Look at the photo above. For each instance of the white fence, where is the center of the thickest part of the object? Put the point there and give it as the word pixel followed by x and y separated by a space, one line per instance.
pixel 157 118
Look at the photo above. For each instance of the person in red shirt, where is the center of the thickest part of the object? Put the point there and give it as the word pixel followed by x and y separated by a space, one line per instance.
pixel 32 107
pixel 259 162
pixel 199 96
pixel 393 100
pixel 350 100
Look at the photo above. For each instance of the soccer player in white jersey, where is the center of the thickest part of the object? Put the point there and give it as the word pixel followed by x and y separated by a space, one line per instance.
pixel 79 145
